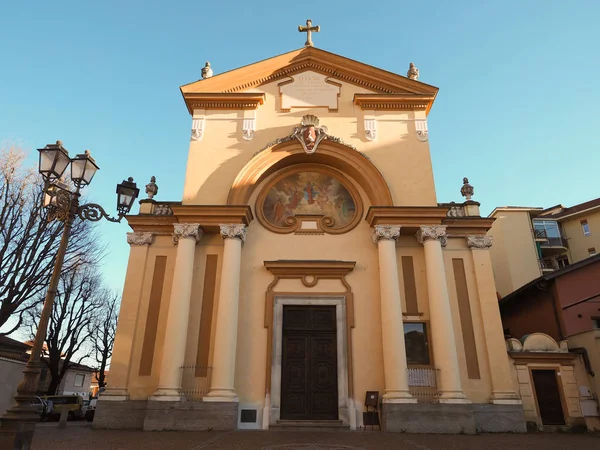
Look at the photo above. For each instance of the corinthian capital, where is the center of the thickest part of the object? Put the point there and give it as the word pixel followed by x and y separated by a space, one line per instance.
pixel 139 238
pixel 432 233
pixel 481 242
pixel 233 231
pixel 385 233
pixel 187 231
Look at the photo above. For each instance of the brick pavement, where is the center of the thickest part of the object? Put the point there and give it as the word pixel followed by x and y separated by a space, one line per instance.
pixel 83 437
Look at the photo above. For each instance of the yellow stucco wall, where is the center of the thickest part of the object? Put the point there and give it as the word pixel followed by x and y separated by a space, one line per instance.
pixel 213 164
pixel 514 255
pixel 216 159
pixel 578 242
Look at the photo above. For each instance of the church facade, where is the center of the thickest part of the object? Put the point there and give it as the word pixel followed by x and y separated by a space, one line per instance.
pixel 309 274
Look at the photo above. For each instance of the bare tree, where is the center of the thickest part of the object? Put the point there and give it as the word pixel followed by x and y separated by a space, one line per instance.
pixel 103 338
pixel 71 326
pixel 28 242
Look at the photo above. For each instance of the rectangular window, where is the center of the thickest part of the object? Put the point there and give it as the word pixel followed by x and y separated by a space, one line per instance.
pixel 585 227
pixel 596 321
pixel 417 343
pixel 79 377
pixel 592 251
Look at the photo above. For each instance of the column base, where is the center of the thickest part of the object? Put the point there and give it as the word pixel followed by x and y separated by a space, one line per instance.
pixel 115 395
pixel 166 395
pixel 453 398
pixel 398 397
pixel 221 395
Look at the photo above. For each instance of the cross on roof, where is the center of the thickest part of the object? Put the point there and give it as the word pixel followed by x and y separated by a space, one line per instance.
pixel 308 29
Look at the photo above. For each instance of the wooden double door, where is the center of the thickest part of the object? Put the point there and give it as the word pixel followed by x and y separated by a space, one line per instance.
pixel 309 376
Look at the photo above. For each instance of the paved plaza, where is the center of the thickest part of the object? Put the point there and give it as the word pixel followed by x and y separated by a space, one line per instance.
pixel 82 437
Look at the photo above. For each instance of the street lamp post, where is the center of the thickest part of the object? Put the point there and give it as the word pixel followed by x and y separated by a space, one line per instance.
pixel 18 423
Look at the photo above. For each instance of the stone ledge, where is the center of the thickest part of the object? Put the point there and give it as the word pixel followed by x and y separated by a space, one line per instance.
pixel 123 415
pixel 453 418
pixel 428 418
pixel 190 416
pixel 494 418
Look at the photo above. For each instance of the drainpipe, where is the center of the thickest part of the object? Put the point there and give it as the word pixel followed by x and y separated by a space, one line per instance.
pixel 586 359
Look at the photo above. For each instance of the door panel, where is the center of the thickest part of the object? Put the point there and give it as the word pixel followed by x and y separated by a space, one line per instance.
pixel 548 397
pixel 309 363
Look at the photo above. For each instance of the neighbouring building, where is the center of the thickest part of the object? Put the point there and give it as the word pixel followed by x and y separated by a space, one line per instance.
pixel 13 357
pixel 308 264
pixel 529 242
pixel 77 380
pixel 564 305
pixel 553 382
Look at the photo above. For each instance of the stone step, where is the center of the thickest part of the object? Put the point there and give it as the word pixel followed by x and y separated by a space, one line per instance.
pixel 309 425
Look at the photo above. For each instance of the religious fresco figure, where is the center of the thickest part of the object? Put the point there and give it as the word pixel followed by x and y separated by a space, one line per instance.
pixel 279 212
pixel 309 193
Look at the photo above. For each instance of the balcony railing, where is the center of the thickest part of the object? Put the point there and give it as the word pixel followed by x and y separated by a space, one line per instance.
pixel 195 382
pixel 546 241
pixel 422 384
pixel 555 242
pixel 547 265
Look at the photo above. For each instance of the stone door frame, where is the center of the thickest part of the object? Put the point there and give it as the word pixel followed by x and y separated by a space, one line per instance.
pixel 342 350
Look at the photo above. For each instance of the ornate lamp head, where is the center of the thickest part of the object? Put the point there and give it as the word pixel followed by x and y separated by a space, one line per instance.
pixel 127 192
pixel 83 169
pixel 54 160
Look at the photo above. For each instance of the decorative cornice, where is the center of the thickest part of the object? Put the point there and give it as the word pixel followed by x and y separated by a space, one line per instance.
pixel 139 238
pixel 432 233
pixel 233 231
pixel 311 58
pixel 209 217
pixel 393 102
pixel 161 209
pixel 223 100
pixel 413 216
pixel 314 268
pixel 385 233
pixel 480 242
pixel 187 231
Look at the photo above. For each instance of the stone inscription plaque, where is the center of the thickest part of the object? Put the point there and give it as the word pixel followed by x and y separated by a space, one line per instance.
pixel 309 90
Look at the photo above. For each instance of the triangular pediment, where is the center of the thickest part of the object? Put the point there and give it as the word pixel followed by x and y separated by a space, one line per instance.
pixel 309 59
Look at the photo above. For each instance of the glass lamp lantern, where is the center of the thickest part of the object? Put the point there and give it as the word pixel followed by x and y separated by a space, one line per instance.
pixel 83 169
pixel 127 192
pixel 54 160
pixel 57 195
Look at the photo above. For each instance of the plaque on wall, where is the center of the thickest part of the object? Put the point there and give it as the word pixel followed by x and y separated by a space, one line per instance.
pixel 309 90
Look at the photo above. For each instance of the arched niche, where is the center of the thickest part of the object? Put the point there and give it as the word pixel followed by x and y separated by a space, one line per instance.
pixel 338 156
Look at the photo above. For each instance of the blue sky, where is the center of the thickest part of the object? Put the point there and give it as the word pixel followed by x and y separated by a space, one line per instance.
pixel 516 111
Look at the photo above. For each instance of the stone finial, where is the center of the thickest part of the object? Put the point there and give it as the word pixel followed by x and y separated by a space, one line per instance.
pixel 152 188
pixel 413 72
pixel 207 71
pixel 466 190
